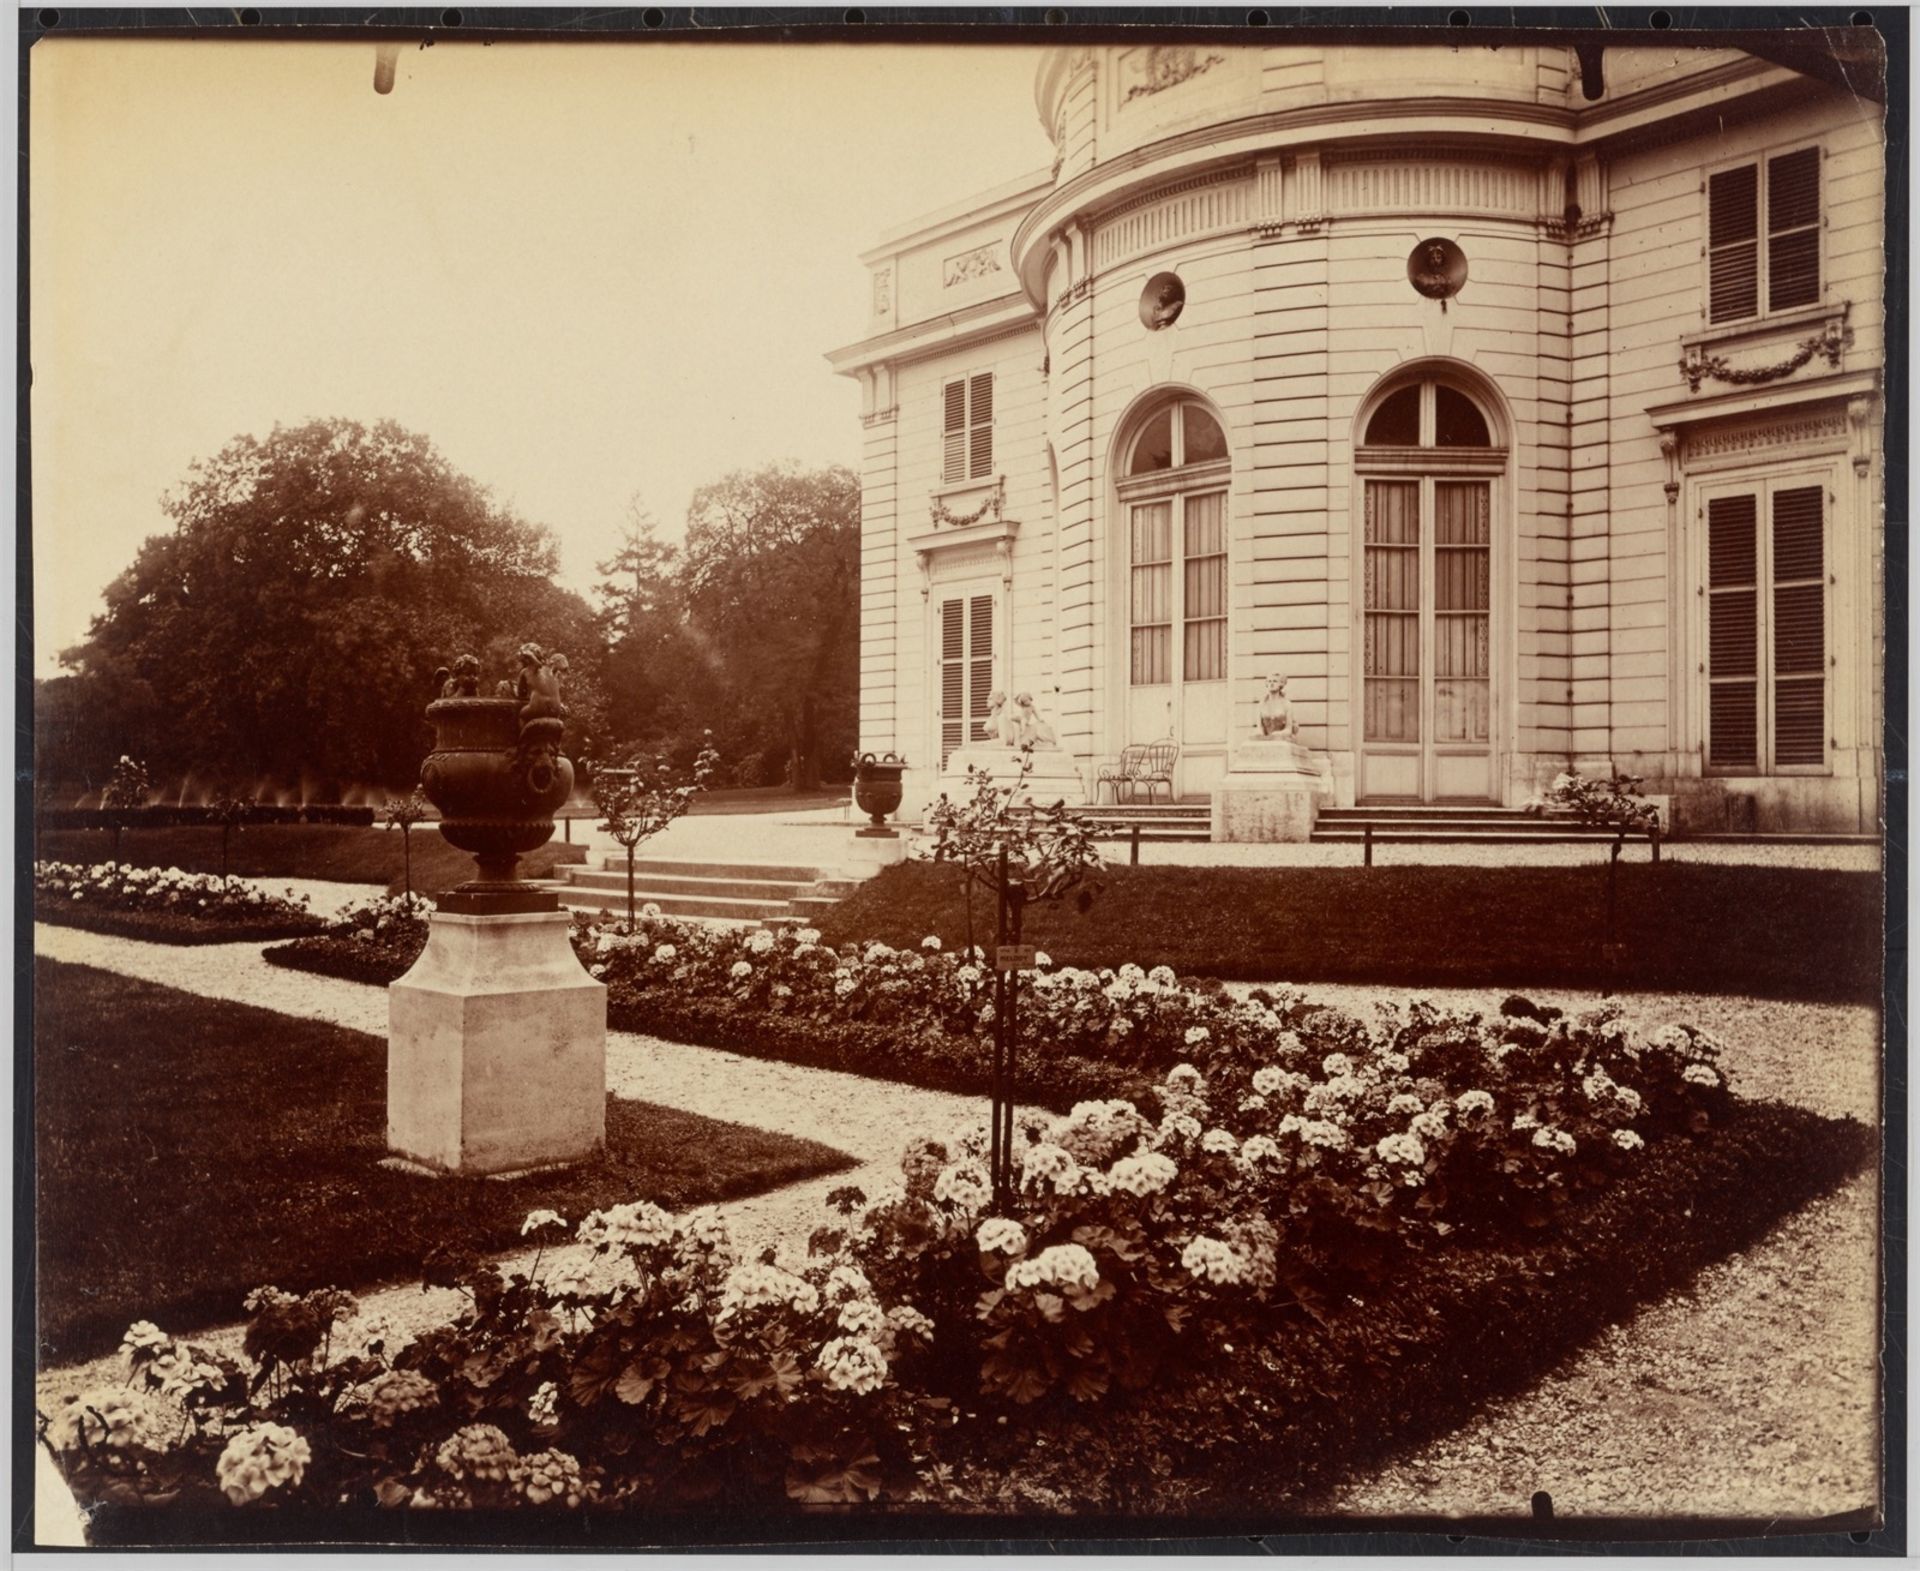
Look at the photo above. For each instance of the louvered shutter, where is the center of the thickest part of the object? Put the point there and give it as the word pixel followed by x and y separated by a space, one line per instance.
pixel 953 677
pixel 1799 627
pixel 954 430
pixel 1733 642
pixel 1793 229
pixel 980 419
pixel 979 666
pixel 1733 244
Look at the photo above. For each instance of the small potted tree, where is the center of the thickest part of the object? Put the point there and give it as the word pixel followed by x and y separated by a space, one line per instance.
pixel 229 812
pixel 126 792
pixel 403 813
pixel 1020 854
pixel 642 797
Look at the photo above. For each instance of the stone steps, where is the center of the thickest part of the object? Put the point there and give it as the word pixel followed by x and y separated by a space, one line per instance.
pixel 705 890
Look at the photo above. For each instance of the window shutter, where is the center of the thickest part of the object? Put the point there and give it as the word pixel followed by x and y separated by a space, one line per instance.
pixel 980 667
pixel 1733 234
pixel 1799 628
pixel 980 463
pixel 1793 229
pixel 1733 670
pixel 954 430
pixel 952 677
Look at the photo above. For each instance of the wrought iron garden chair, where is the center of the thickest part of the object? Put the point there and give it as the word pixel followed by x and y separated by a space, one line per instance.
pixel 1148 764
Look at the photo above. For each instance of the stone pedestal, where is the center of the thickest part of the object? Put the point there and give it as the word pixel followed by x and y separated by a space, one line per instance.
pixel 1054 777
pixel 1273 790
pixel 496 1048
pixel 868 852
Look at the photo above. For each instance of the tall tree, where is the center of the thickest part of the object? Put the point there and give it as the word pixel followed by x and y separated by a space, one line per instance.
pixel 289 624
pixel 653 696
pixel 771 580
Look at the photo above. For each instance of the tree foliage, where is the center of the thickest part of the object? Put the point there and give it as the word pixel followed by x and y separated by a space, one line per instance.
pixel 750 629
pixel 772 578
pixel 289 624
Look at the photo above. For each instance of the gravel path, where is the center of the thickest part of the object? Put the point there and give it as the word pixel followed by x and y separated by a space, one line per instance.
pixel 870 1120
pixel 1753 1394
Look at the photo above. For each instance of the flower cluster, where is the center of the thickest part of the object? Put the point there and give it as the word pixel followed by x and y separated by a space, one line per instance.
pixel 260 1458
pixel 109 886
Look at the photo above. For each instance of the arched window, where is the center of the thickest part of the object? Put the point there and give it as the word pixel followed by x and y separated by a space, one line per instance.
pixel 1427 414
pixel 1173 494
pixel 1430 475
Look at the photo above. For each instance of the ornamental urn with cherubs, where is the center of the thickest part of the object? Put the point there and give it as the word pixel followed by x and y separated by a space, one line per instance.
pixel 497 775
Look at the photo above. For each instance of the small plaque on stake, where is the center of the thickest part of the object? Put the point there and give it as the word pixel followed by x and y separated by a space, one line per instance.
pixel 1014 957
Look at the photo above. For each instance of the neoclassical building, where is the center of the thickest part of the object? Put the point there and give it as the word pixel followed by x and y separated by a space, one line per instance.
pixel 1520 407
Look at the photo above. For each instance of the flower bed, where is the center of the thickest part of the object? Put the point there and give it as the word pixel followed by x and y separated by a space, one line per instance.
pixel 375 942
pixel 922 1016
pixel 164 905
pixel 1339 1236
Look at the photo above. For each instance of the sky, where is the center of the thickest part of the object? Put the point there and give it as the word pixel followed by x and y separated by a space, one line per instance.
pixel 584 271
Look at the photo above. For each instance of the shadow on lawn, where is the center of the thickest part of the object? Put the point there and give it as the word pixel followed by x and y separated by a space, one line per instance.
pixel 190 1150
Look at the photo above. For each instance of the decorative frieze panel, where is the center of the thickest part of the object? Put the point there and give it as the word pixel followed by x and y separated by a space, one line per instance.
pixel 1144 72
pixel 981 262
pixel 882 290
pixel 1750 437
pixel 1189 210
pixel 1396 183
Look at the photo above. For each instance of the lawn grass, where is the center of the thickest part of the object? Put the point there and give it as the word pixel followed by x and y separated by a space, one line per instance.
pixel 189 1150
pixel 327 851
pixel 1773 932
pixel 172 927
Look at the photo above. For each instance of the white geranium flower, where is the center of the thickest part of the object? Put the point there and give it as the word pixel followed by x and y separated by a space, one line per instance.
pixel 1145 1174
pixel 1213 1260
pixel 1001 1235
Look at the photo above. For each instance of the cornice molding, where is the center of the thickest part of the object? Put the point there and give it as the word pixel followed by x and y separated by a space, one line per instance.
pixel 1000 317
pixel 1787 395
pixel 1492 125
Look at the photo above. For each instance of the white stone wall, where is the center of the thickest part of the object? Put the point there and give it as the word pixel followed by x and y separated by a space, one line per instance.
pixel 1293 251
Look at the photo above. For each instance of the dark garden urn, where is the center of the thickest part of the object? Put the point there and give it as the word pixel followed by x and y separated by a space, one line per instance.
pixel 497 776
pixel 876 787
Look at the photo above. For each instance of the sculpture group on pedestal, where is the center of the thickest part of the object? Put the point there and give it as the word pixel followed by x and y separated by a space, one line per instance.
pixel 496 1041
pixel 1019 742
pixel 1020 726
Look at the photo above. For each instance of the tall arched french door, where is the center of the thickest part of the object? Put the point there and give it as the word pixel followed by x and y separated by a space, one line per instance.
pixel 1430 481
pixel 1172 490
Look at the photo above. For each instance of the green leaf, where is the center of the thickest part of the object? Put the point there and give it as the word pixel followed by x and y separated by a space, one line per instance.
pixel 636 1383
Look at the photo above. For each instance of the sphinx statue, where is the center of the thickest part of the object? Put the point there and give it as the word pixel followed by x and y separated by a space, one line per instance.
pixel 1276 712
